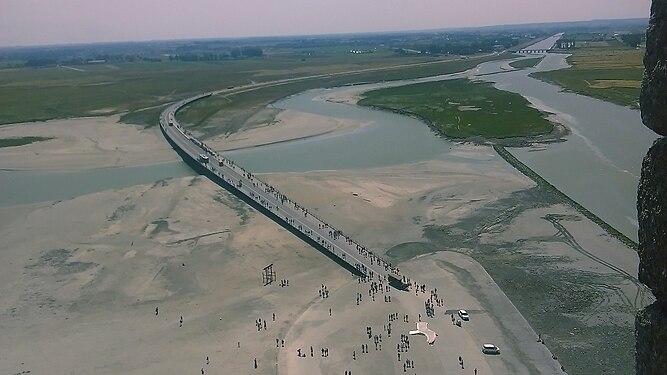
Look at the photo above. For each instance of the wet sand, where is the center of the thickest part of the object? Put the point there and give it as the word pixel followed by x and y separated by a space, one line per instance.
pixel 81 143
pixel 287 126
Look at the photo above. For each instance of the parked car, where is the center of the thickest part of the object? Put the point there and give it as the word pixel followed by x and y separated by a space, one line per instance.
pixel 464 315
pixel 490 349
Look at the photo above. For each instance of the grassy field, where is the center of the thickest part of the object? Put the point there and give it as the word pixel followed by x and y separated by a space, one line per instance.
pixel 13 142
pixel 526 63
pixel 29 94
pixel 138 89
pixel 605 70
pixel 463 109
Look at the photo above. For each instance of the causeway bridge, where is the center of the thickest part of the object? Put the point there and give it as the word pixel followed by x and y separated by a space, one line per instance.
pixel 290 215
pixel 533 51
pixel 542 46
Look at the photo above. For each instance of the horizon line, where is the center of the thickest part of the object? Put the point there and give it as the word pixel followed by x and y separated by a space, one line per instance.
pixel 70 44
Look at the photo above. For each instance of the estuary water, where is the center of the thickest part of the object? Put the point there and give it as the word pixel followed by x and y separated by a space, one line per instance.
pixel 24 187
pixel 388 139
pixel 599 165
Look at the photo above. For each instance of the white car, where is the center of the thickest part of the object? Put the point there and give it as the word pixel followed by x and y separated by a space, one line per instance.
pixel 490 349
pixel 464 315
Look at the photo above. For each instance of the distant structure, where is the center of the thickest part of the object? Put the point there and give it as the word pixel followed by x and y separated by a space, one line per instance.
pixel 566 44
pixel 269 275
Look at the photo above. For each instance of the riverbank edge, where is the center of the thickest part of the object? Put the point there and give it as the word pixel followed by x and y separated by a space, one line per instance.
pixel 528 172
pixel 539 77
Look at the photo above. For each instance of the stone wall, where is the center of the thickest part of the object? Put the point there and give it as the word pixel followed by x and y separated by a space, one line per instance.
pixel 651 322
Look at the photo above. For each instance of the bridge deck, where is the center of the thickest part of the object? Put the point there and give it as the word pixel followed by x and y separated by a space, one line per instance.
pixel 284 209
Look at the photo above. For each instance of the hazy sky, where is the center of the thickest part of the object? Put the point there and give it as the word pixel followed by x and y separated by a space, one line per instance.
pixel 29 22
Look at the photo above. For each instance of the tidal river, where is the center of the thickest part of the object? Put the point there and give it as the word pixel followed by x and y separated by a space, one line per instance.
pixel 599 164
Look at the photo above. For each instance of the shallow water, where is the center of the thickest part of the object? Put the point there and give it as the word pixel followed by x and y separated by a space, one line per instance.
pixel 388 139
pixel 24 187
pixel 599 165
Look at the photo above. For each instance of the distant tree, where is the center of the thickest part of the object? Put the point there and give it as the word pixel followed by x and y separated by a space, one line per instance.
pixel 632 40
pixel 38 63
pixel 252 52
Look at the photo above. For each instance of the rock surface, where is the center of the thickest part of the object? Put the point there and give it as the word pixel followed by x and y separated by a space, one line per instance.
pixel 651 322
pixel 651 333
pixel 653 96
pixel 652 215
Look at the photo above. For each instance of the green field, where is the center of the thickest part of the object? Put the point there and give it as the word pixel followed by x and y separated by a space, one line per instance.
pixel 603 70
pixel 29 94
pixel 13 142
pixel 463 109
pixel 526 63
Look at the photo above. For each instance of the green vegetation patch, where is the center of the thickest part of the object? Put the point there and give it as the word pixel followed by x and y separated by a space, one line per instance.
pixel 612 73
pixel 13 142
pixel 526 63
pixel 463 109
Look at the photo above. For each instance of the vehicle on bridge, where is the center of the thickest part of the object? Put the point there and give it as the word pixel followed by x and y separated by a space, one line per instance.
pixel 203 158
pixel 490 349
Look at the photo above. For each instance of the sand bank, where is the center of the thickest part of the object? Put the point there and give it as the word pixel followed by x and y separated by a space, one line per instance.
pixel 288 126
pixel 82 143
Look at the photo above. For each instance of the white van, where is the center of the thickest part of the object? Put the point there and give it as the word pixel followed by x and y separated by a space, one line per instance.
pixel 490 349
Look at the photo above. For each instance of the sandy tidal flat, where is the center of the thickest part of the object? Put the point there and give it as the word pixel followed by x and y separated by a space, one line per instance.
pixel 93 142
pixel 80 280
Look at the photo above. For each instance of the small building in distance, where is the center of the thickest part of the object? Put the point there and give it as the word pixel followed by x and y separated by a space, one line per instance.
pixel 566 44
